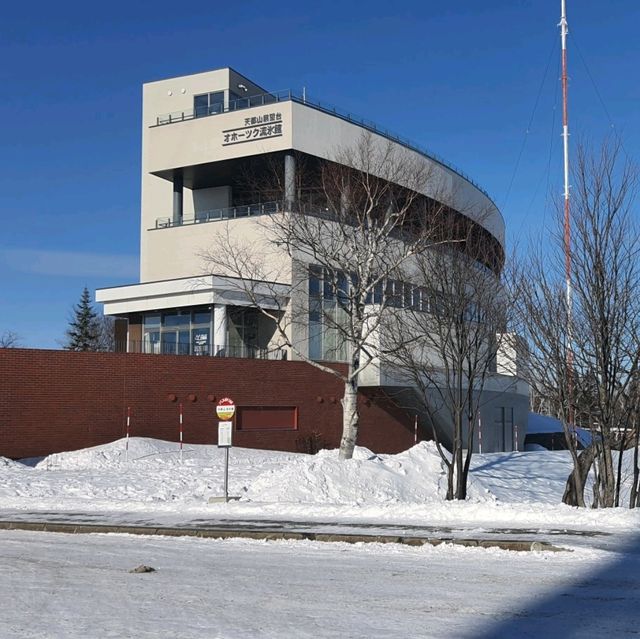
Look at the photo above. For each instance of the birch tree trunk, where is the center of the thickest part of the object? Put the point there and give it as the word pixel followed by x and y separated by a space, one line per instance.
pixel 349 418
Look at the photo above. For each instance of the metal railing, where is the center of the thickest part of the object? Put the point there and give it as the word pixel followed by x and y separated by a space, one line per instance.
pixel 288 95
pixel 239 104
pixel 215 215
pixel 196 349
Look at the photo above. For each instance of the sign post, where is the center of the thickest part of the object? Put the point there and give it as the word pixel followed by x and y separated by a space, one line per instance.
pixel 180 433
pixel 126 446
pixel 225 410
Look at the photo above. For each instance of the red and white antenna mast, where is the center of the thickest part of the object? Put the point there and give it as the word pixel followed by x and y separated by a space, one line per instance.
pixel 567 219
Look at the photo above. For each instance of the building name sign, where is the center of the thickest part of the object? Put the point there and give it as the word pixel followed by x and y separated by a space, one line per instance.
pixel 258 127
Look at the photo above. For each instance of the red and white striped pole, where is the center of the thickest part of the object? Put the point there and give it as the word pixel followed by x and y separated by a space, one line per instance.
pixel 415 430
pixel 480 434
pixel 126 446
pixel 516 433
pixel 180 433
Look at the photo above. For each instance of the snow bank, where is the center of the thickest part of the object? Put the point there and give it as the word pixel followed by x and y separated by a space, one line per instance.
pixel 415 476
pixel 145 451
pixel 5 462
pixel 505 489
pixel 108 455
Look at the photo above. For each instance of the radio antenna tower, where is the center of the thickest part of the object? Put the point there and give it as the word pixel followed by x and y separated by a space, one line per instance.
pixel 567 219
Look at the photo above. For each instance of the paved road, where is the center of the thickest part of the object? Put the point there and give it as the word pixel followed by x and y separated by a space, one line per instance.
pixel 557 536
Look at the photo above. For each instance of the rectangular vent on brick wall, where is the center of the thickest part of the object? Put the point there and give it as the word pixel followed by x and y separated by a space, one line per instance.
pixel 267 418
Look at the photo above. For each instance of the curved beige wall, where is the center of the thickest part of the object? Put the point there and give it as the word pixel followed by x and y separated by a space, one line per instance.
pixel 171 253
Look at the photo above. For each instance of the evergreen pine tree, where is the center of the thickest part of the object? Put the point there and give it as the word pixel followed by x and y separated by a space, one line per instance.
pixel 83 333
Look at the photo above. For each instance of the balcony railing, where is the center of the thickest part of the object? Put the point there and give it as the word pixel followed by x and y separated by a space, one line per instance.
pixel 196 349
pixel 215 215
pixel 291 96
pixel 233 105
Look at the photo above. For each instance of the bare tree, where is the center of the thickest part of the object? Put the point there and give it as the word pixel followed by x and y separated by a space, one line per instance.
pixel 454 324
pixel 328 298
pixel 9 339
pixel 634 398
pixel 107 336
pixel 585 363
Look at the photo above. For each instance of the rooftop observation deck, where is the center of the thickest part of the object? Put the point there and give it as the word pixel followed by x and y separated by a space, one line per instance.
pixel 288 95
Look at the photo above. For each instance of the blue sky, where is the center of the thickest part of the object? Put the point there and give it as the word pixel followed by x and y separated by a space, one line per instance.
pixel 461 78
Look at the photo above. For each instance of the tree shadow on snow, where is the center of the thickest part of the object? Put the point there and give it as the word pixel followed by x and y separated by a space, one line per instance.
pixel 603 603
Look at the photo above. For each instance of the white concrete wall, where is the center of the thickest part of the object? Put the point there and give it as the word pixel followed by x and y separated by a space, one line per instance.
pixel 211 199
pixel 183 144
pixel 510 354
pixel 179 251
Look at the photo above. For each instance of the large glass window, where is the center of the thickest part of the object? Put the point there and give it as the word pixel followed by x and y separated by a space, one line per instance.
pixel 315 312
pixel 315 279
pixel 176 319
pixel 328 294
pixel 329 298
pixel 151 342
pixel 178 332
pixel 243 331
pixel 208 103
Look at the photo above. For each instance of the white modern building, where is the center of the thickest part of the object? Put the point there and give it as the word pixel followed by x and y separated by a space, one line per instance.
pixel 200 135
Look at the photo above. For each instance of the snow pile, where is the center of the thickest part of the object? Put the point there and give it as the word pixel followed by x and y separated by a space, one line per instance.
pixel 155 484
pixel 101 477
pixel 5 462
pixel 415 476
pixel 114 453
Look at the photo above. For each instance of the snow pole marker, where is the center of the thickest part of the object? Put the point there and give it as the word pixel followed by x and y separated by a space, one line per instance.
pixel 516 434
pixel 180 433
pixel 126 445
pixel 480 434
pixel 415 430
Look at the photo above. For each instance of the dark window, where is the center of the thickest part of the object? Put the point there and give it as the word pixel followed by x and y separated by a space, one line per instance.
pixel 201 105
pixel 151 320
pixel 315 277
pixel 377 293
pixel 176 319
pixel 202 317
pixel 329 289
pixel 208 103
pixel 200 338
pixel 408 296
pixel 343 287
pixel 168 344
pixel 184 342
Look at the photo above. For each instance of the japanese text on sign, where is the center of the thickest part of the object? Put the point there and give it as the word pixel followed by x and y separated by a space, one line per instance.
pixel 258 127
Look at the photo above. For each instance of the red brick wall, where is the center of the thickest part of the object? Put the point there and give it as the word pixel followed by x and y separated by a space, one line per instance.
pixel 52 401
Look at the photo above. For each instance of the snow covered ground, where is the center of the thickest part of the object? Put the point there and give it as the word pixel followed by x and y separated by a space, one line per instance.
pixel 54 585
pixel 507 490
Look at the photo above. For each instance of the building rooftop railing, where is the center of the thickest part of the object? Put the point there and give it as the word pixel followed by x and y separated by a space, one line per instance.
pixel 215 215
pixel 291 96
